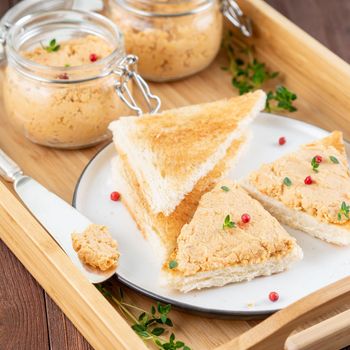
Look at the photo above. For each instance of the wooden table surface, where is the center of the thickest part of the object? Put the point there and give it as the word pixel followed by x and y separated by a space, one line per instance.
pixel 28 317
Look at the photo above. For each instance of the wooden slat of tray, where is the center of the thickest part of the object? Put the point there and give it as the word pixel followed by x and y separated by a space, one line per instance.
pixel 319 102
pixel 318 76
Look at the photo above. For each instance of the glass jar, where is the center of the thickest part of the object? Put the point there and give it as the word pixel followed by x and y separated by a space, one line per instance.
pixel 69 106
pixel 173 38
pixel 27 7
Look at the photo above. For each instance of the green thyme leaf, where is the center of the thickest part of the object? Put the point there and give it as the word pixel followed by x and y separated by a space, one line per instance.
pixel 67 65
pixel 285 99
pixel 314 165
pixel 52 47
pixel 153 310
pixel 172 264
pixel 158 331
pixel 287 181
pixel 141 316
pixel 228 223
pixel 334 160
pixel 249 74
pixel 344 210
pixel 138 328
pixel 159 307
pixel 106 293
pixel 145 325
pixel 167 308
pixel 169 322
pixel 242 86
pixel 225 188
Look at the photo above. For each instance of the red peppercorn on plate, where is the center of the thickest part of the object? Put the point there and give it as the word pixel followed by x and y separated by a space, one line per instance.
pixel 140 265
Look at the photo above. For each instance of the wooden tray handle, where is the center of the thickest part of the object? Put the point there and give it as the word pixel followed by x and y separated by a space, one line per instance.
pixel 333 333
pixel 273 332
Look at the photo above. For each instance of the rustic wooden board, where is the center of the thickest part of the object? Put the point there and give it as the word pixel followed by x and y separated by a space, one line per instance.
pixel 26 306
pixel 328 21
pixel 297 57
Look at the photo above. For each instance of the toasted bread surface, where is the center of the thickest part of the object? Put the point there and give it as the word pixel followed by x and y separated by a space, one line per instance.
pixel 169 152
pixel 168 227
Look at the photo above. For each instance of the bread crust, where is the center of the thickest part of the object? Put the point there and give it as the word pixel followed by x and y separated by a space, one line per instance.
pixel 331 233
pixel 160 229
pixel 171 151
pixel 233 274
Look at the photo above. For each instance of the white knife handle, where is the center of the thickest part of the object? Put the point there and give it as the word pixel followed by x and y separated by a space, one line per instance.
pixel 9 170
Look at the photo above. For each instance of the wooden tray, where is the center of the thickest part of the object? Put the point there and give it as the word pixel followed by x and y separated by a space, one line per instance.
pixel 322 82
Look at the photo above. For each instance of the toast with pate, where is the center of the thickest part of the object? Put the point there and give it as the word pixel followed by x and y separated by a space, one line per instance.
pixel 218 247
pixel 170 152
pixel 308 189
pixel 162 231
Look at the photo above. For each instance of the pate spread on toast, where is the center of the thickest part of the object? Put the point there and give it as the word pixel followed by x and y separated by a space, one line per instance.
pixel 210 253
pixel 316 197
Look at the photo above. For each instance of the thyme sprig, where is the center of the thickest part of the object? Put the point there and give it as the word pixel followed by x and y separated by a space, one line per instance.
pixel 228 223
pixel 282 98
pixel 172 264
pixel 314 165
pixel 148 325
pixel 344 210
pixel 52 47
pixel 287 181
pixel 334 159
pixel 249 74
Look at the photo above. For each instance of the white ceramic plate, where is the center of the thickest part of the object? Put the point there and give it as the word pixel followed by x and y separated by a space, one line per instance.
pixel 139 267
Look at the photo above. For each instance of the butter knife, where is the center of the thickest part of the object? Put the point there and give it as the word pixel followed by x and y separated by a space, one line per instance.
pixel 58 217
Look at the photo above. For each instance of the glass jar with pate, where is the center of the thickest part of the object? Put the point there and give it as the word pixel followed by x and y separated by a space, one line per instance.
pixel 67 77
pixel 173 38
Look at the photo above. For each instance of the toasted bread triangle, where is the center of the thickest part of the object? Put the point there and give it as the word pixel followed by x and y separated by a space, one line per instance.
pixel 167 228
pixel 313 208
pixel 170 151
pixel 210 253
pixel 335 139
